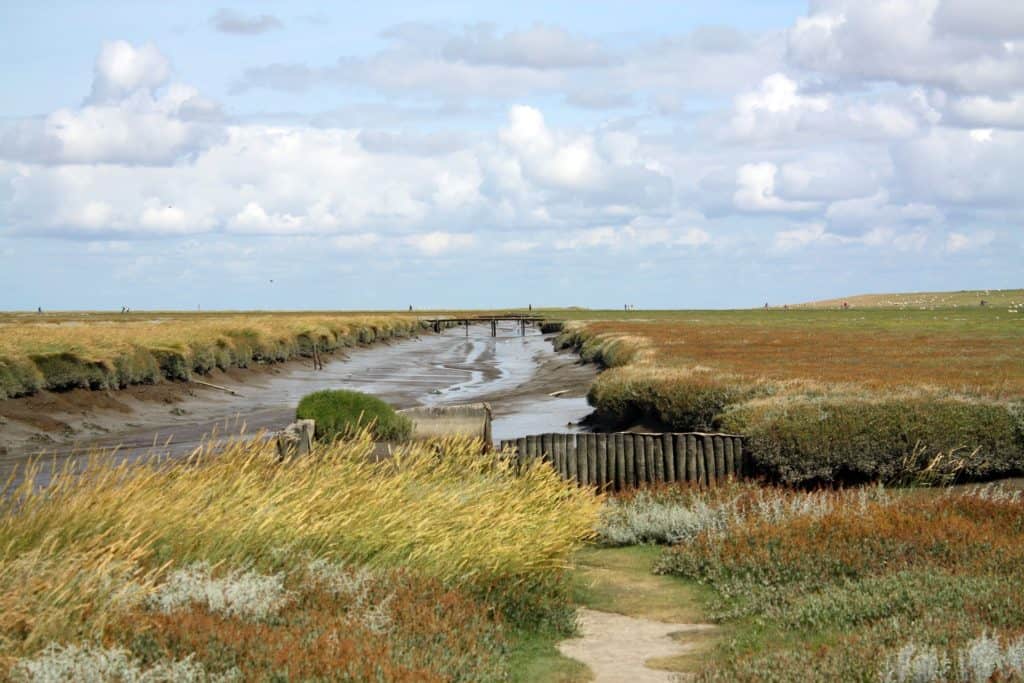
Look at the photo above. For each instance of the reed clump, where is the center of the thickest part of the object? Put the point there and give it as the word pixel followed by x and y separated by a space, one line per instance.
pixel 90 547
pixel 838 400
pixel 107 352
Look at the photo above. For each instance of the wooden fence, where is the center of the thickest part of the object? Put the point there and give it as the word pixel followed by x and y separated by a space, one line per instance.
pixel 625 460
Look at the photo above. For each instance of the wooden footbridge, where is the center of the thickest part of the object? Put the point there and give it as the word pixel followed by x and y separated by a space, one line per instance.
pixel 523 319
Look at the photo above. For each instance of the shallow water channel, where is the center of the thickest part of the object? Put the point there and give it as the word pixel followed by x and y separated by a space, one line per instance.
pixel 516 374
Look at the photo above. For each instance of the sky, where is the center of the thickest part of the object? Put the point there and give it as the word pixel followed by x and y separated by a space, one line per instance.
pixel 304 155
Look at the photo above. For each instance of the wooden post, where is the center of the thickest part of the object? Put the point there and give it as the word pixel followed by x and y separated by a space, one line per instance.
pixel 572 465
pixel 602 460
pixel 698 450
pixel 680 453
pixel 639 448
pixel 531 447
pixel 582 459
pixel 709 460
pixel 630 465
pixel 742 459
pixel 558 454
pixel 730 460
pixel 719 458
pixel 652 454
pixel 668 453
pixel 592 462
pixel 546 453
pixel 620 462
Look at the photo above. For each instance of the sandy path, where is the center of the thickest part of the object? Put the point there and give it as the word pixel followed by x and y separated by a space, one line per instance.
pixel 615 646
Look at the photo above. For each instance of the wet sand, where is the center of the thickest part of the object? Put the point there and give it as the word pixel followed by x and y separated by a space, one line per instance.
pixel 515 374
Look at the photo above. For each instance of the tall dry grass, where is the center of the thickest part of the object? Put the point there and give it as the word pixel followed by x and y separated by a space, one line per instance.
pixel 101 352
pixel 73 552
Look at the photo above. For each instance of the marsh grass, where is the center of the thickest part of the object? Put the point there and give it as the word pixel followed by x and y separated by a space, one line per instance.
pixel 98 543
pixel 825 396
pixel 95 351
pixel 862 584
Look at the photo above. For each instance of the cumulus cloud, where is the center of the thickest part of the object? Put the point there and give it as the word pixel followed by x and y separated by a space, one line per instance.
pixel 438 242
pixel 959 241
pixel 231 21
pixel 912 42
pixel 539 47
pixel 122 69
pixel 755 191
pixel 133 115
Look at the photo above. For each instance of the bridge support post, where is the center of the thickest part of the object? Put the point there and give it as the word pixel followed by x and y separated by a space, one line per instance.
pixel 494 328
pixel 467 328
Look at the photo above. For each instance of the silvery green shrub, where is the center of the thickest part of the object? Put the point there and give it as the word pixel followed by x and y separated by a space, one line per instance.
pixel 976 662
pixel 87 664
pixel 246 595
pixel 355 584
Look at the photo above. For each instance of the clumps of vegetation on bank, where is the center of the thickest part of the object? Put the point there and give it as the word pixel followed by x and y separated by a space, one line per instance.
pixel 807 421
pixel 342 414
pixel 864 584
pixel 423 566
pixel 112 353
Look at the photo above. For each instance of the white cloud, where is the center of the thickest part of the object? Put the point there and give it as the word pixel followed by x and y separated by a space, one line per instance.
pixel 355 242
pixel 437 242
pixel 959 241
pixel 755 191
pixel 230 21
pixel 122 68
pixel 539 47
pixel 911 42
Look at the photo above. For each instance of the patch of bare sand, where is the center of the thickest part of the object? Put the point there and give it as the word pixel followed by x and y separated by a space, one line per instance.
pixel 617 648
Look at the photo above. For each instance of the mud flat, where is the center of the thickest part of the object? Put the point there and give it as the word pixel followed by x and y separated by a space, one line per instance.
pixel 516 374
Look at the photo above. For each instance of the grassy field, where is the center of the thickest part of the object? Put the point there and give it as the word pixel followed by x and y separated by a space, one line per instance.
pixel 824 394
pixel 859 585
pixel 437 564
pixel 108 350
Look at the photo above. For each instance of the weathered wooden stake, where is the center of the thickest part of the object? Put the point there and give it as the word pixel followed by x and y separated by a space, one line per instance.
pixel 602 460
pixel 639 448
pixel 620 462
pixel 668 453
pixel 730 460
pixel 680 453
pixel 702 473
pixel 570 457
pixel 719 457
pixel 630 465
pixel 709 460
pixel 582 463
pixel 592 459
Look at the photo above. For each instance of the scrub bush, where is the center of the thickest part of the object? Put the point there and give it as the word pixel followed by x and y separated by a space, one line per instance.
pixel 340 413
pixel 832 441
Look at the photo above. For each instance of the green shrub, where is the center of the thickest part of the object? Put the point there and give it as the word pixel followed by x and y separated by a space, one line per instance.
pixel 138 366
pixel 62 371
pixel 18 378
pixel 172 363
pixel 343 413
pixel 681 402
pixel 834 441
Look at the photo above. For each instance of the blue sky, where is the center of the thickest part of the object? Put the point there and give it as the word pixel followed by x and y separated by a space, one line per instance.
pixel 377 155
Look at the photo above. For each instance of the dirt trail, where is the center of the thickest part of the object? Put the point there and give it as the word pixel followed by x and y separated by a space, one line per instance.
pixel 616 647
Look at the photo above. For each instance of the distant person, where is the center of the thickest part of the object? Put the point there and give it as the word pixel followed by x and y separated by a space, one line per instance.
pixel 766 305
pixel 410 308
pixel 531 307
pixel 39 310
